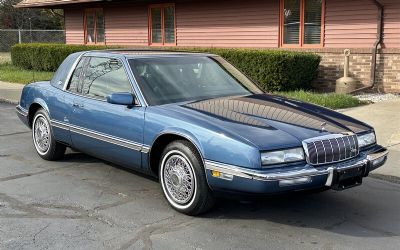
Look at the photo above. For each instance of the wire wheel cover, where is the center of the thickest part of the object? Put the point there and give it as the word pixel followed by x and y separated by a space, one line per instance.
pixel 179 179
pixel 41 134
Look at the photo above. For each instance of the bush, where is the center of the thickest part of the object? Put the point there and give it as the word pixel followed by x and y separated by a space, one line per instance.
pixel 274 70
pixel 44 56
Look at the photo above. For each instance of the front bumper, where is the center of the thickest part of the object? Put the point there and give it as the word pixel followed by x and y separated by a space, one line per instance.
pixel 337 176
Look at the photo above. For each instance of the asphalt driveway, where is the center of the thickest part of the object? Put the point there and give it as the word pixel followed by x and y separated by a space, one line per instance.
pixel 84 203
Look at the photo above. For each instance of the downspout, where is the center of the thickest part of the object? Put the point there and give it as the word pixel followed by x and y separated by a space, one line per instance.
pixel 378 41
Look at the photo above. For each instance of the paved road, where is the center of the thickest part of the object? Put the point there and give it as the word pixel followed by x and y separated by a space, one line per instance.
pixel 385 118
pixel 84 203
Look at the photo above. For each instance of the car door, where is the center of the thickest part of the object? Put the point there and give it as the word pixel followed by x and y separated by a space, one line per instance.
pixel 108 131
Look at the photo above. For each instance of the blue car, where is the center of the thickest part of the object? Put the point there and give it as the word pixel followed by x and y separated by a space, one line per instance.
pixel 198 124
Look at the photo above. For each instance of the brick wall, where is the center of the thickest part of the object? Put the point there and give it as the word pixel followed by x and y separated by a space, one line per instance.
pixel 388 73
pixel 332 67
pixel 332 63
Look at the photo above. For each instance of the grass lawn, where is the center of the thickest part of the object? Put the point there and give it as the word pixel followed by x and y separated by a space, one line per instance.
pixel 10 73
pixel 329 100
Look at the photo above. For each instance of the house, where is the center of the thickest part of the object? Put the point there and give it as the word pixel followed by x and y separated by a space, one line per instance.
pixel 369 28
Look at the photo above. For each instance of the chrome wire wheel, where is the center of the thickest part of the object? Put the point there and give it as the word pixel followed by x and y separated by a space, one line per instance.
pixel 178 179
pixel 41 134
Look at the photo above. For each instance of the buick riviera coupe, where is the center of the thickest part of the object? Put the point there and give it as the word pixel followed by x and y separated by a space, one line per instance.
pixel 198 124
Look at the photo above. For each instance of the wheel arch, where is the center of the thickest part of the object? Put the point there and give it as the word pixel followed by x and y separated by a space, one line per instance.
pixel 35 106
pixel 163 139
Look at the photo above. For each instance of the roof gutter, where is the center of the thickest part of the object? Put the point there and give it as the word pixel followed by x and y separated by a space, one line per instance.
pixel 379 38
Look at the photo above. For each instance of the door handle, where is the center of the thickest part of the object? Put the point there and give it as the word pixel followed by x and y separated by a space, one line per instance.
pixel 77 105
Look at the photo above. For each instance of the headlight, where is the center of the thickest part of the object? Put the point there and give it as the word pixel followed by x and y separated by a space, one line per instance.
pixel 282 156
pixel 367 139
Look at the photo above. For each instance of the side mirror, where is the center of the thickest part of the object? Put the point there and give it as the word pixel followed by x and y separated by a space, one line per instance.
pixel 122 98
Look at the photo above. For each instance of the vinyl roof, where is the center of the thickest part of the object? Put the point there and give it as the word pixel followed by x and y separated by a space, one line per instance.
pixel 148 51
pixel 138 53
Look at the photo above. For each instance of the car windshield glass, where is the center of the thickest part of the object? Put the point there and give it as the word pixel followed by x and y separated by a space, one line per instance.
pixel 188 78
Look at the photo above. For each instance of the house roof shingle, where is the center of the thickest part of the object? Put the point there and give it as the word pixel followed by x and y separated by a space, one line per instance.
pixel 49 3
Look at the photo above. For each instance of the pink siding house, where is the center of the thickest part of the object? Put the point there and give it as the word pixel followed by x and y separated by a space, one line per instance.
pixel 326 27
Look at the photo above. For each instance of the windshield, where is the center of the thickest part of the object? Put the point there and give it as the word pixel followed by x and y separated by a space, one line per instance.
pixel 188 78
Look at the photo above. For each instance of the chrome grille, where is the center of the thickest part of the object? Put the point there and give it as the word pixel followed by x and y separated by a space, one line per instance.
pixel 330 148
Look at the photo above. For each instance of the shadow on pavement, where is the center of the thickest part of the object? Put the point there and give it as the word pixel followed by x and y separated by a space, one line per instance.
pixel 354 212
pixel 345 212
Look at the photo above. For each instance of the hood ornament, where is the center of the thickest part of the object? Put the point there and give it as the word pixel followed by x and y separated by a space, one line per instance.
pixel 323 129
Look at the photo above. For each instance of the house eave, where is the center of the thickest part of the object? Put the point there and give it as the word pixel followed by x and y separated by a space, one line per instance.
pixel 52 3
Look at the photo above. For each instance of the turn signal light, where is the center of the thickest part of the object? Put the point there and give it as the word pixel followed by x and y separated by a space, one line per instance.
pixel 217 174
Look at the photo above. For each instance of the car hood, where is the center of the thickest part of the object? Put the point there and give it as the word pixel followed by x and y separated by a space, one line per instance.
pixel 268 121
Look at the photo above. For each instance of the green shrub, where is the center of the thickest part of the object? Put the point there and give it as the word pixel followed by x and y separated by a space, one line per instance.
pixel 44 56
pixel 274 70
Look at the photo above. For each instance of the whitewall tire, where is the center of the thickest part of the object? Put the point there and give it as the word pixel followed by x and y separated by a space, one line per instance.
pixel 183 179
pixel 43 140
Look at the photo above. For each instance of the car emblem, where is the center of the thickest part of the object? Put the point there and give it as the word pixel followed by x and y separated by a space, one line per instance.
pixel 323 126
pixel 353 150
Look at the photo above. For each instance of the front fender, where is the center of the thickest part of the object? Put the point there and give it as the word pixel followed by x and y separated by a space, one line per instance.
pixel 183 133
pixel 213 144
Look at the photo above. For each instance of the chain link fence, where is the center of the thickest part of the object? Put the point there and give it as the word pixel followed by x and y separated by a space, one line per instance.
pixel 9 37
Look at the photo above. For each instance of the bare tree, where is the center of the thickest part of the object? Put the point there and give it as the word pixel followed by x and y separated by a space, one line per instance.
pixel 15 18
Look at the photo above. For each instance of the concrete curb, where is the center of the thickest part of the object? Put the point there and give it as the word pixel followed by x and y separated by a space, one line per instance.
pixel 388 178
pixel 8 101
pixel 10 92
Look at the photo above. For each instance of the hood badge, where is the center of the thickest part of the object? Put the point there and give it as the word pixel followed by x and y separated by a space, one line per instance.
pixel 353 150
pixel 323 129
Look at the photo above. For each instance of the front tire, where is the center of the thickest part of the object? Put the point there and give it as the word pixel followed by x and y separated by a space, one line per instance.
pixel 183 180
pixel 43 140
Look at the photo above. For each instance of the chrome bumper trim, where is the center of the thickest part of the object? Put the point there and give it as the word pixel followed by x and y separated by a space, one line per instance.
pixel 20 110
pixel 261 175
pixel 307 171
pixel 377 155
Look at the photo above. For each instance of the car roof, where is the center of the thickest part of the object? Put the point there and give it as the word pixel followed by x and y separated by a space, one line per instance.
pixel 132 53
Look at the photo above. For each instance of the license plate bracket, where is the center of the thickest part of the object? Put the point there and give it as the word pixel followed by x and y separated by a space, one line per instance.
pixel 348 178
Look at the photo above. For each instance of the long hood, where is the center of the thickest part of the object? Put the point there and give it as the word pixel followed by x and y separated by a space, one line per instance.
pixel 268 121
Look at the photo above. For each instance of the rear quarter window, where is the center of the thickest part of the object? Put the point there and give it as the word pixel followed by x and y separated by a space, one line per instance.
pixel 61 75
pixel 74 82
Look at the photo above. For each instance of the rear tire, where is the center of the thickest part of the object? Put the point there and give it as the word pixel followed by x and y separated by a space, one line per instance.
pixel 183 180
pixel 43 140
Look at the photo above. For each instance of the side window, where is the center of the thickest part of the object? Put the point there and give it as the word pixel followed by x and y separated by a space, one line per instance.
pixel 75 80
pixel 104 76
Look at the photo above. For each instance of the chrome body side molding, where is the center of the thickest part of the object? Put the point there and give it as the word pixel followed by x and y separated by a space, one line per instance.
pixel 101 136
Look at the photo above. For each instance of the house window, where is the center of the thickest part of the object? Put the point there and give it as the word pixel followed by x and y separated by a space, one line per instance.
pixel 302 23
pixel 94 26
pixel 162 25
